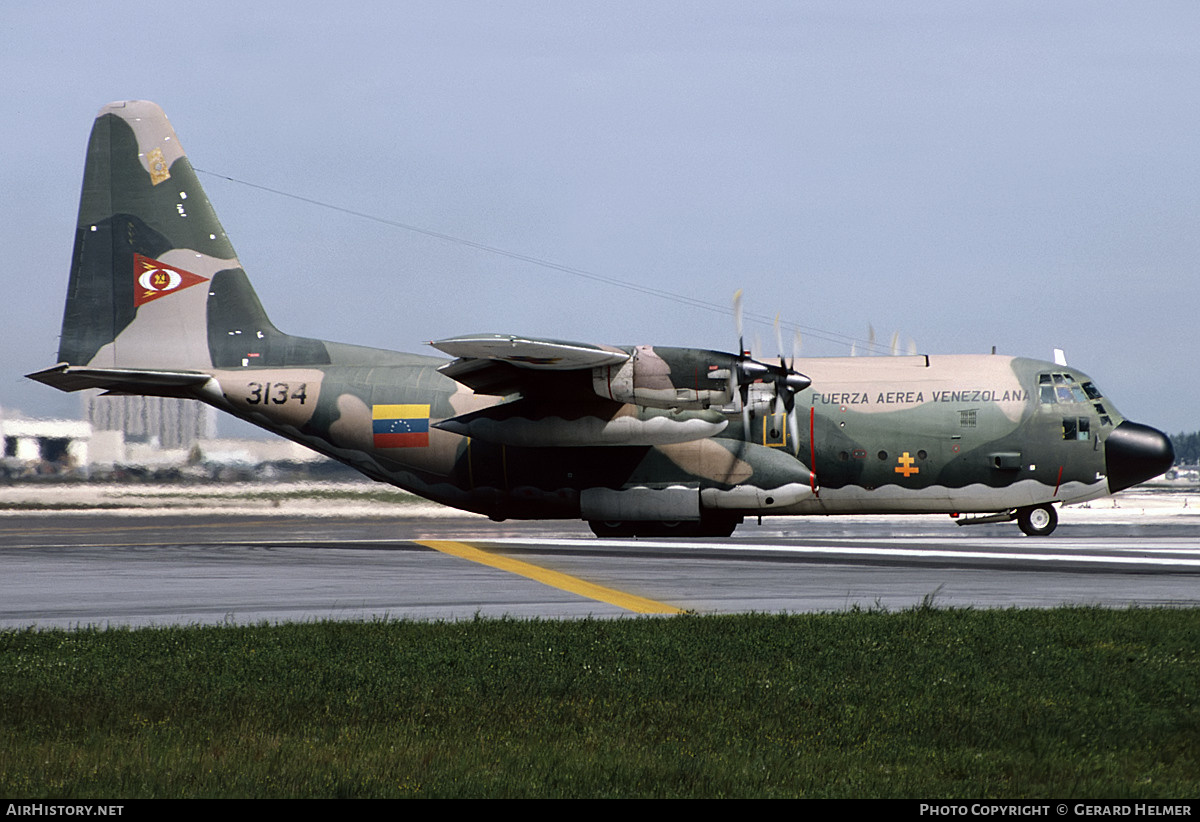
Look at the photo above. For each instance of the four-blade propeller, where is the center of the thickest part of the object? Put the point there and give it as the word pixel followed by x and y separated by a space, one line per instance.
pixel 786 381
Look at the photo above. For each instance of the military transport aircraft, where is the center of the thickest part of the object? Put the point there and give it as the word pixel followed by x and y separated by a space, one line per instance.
pixel 637 440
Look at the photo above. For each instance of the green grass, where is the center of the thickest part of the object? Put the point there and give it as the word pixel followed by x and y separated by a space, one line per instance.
pixel 924 703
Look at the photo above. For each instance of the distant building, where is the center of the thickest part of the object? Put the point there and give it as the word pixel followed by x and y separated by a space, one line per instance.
pixel 61 443
pixel 167 421
pixel 140 434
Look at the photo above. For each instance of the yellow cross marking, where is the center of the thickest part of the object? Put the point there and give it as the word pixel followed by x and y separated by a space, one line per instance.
pixel 906 466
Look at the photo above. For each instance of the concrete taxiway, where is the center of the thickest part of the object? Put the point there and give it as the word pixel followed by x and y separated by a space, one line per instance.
pixel 146 563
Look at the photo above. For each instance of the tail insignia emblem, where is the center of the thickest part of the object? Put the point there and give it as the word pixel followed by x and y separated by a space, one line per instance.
pixel 156 280
pixel 159 173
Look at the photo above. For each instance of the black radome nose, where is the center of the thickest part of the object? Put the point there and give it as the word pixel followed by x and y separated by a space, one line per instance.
pixel 1134 453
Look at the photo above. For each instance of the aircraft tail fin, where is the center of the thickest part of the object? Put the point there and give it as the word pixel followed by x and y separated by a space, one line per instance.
pixel 155 284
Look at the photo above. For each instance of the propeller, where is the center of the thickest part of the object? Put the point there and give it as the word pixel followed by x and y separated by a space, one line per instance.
pixel 788 383
pixel 740 387
pixel 894 348
pixel 793 423
pixel 780 390
pixel 737 320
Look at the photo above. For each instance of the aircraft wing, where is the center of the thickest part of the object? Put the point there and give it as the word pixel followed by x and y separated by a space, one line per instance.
pixel 529 352
pixel 562 400
pixel 502 364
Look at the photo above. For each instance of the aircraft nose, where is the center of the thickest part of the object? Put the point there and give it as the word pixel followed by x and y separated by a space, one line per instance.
pixel 1134 453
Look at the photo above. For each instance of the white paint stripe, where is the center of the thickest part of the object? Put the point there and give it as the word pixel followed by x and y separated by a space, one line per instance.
pixel 881 553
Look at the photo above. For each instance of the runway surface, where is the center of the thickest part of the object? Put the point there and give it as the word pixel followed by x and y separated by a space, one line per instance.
pixel 72 569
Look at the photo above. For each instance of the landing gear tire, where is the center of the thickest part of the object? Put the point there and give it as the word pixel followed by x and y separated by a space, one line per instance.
pixel 1037 520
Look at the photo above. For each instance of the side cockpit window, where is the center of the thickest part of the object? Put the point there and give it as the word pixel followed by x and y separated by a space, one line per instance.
pixel 1076 428
pixel 1055 388
pixel 1064 389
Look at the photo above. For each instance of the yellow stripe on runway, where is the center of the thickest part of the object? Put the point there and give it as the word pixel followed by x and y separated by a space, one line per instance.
pixel 554 579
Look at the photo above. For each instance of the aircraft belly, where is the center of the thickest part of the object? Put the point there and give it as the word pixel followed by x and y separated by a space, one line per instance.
pixel 970 499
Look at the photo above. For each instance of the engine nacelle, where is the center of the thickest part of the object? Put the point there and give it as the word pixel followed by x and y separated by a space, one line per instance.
pixel 646 379
pixel 524 423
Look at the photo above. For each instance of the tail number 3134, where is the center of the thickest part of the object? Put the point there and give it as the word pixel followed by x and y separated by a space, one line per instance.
pixel 276 393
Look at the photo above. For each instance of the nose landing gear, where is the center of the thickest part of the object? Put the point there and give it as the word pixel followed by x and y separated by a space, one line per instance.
pixel 1037 520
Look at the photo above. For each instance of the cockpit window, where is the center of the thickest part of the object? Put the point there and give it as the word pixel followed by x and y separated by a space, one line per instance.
pixel 1062 388
pixel 1046 388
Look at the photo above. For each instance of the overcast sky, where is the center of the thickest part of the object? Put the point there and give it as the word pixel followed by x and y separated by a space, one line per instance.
pixel 1019 175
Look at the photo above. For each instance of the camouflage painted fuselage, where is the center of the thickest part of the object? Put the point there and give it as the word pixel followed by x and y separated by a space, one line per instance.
pixel 938 434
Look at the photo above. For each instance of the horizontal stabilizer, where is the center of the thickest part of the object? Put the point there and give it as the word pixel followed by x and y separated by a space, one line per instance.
pixel 123 380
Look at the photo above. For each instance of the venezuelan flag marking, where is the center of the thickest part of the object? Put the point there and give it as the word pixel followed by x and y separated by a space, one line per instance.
pixel 555 579
pixel 400 426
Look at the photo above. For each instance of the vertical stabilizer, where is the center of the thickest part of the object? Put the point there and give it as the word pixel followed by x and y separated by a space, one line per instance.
pixel 147 245
pixel 155 284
